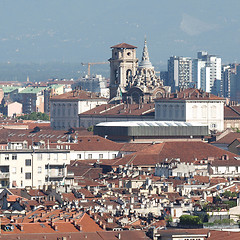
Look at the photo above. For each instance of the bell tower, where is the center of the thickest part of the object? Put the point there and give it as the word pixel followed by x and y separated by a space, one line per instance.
pixel 123 66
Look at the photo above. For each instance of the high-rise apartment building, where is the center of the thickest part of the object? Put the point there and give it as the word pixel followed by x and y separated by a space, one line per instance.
pixel 229 79
pixel 206 71
pixel 179 72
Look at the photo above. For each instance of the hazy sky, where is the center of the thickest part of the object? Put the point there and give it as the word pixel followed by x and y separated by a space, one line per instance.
pixel 84 30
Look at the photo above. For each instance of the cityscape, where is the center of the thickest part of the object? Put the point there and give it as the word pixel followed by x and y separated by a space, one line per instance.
pixel 120 142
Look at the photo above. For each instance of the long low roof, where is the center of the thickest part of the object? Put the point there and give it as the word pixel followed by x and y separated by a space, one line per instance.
pixel 148 124
pixel 151 128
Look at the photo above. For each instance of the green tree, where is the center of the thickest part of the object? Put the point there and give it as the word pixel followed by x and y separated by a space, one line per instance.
pixel 35 116
pixel 190 220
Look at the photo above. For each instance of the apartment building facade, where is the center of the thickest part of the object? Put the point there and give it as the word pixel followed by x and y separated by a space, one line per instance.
pixel 179 72
pixel 33 167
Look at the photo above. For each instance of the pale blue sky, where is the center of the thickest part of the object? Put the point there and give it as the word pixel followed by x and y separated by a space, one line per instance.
pixel 84 30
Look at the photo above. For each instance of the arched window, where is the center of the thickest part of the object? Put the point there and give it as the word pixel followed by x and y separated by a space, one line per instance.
pixel 213 111
pixel 164 110
pixel 129 75
pixel 204 111
pixel 170 111
pixel 176 111
pixel 194 111
pixel 182 111
pixel 159 110
pixel 159 95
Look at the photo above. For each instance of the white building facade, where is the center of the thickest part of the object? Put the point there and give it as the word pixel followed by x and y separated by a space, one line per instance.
pixel 64 109
pixel 33 168
pixel 206 69
pixel 192 106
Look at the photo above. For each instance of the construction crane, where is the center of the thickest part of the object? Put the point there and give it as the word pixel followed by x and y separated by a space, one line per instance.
pixel 92 63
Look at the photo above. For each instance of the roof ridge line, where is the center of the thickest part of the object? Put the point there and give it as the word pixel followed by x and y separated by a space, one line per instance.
pixel 105 110
pixel 132 158
pixel 235 110
pixel 148 110
pixel 87 171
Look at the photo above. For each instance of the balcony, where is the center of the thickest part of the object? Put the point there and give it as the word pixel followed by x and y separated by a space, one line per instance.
pixel 55 175
pixel 4 175
pixel 70 175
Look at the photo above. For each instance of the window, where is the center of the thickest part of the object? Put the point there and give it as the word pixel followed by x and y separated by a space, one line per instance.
pixel 79 156
pixel 39 157
pixel 6 157
pixel 194 111
pixel 28 162
pixel 63 110
pixel 213 111
pixel 89 156
pixel 114 155
pixel 21 170
pixel 176 111
pixel 100 156
pixel 204 111
pixel 39 169
pixel 213 125
pixel 170 111
pixel 28 175
pixel 14 170
pixel 14 157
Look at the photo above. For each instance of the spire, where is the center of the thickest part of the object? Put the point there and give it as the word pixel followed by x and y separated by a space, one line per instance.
pixel 145 63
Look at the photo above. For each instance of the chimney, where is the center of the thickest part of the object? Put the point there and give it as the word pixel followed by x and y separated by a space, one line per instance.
pixel 55 227
pixel 21 227
pixel 119 236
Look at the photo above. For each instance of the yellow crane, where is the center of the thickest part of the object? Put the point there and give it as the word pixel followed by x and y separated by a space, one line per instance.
pixel 92 63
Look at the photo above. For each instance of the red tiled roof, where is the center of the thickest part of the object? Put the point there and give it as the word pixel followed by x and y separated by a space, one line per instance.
pixel 77 95
pixel 229 138
pixel 43 134
pixel 122 109
pixel 92 143
pixel 186 151
pixel 229 112
pixel 134 147
pixel 123 45
pixel 84 169
pixel 190 94
pixel 88 224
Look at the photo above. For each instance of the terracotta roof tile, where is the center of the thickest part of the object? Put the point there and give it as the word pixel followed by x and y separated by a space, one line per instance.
pixel 122 109
pixel 123 45
pixel 229 138
pixel 190 94
pixel 77 95
pixel 186 151
pixel 229 112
